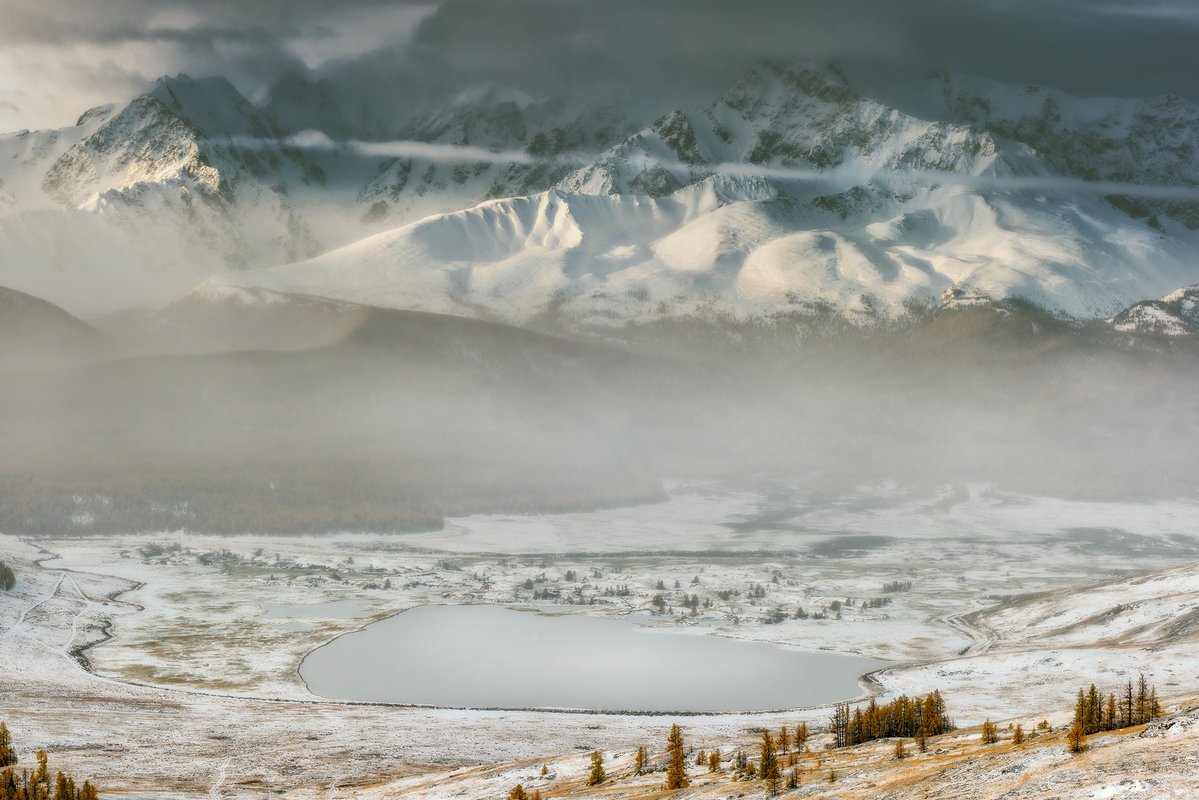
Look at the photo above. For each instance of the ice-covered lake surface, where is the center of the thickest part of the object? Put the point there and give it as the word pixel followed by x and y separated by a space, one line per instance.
pixel 486 656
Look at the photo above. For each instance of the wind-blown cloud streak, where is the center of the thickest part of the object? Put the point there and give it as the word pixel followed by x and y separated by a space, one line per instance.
pixel 845 176
pixel 424 151
pixel 1037 183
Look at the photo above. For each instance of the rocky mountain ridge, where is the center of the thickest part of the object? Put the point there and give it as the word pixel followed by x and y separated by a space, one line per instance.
pixel 805 195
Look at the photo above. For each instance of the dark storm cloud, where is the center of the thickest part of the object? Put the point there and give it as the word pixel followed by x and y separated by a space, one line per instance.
pixel 1185 11
pixel 66 21
pixel 691 47
pixel 661 51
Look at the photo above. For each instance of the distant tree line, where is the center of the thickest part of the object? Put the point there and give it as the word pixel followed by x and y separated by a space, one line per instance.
pixel 903 716
pixel 38 784
pixel 310 494
pixel 1094 713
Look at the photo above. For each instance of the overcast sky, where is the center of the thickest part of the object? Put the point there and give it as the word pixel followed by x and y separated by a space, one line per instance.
pixel 60 57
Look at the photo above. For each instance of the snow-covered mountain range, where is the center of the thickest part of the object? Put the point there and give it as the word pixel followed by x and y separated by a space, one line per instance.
pixel 794 194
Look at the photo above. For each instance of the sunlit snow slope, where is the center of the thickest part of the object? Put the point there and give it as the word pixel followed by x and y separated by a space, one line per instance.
pixel 793 194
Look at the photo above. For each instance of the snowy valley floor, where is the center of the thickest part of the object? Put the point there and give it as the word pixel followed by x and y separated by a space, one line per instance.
pixel 165 665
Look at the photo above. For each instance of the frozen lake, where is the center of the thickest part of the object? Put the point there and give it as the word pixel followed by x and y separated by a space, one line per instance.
pixel 486 656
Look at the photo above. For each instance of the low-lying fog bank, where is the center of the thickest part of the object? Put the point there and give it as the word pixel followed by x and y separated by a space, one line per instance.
pixel 386 420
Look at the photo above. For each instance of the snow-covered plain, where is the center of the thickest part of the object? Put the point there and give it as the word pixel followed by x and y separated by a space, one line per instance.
pixel 198 680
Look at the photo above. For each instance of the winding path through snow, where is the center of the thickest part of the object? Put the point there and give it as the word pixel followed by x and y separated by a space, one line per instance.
pixel 214 791
pixel 26 611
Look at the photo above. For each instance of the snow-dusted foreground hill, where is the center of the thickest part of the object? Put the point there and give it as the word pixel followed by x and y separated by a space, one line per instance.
pixel 192 642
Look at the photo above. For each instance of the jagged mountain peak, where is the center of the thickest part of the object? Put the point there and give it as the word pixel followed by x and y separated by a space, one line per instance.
pixel 490 93
pixel 765 82
pixel 549 134
pixel 488 115
pixel 801 116
pixel 96 114
pixel 146 142
pixel 182 89
pixel 819 195
pixel 213 105
pixel 189 135
pixel 183 181
pixel 1150 141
